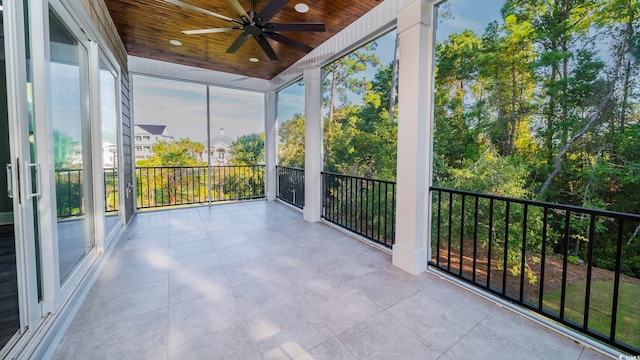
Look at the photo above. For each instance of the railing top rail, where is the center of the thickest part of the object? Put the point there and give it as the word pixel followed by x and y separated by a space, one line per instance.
pixel 289 167
pixel 197 166
pixel 621 215
pixel 358 177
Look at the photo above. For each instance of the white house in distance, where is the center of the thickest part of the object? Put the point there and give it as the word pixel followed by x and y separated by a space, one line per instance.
pixel 148 135
pixel 220 150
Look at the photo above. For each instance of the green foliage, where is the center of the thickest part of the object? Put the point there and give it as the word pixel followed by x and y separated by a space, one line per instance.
pixel 533 106
pixel 183 152
pixel 572 259
pixel 64 148
pixel 291 132
pixel 248 150
pixel 628 326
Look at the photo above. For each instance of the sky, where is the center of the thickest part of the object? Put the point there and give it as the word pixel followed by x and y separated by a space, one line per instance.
pixel 182 105
pixel 474 15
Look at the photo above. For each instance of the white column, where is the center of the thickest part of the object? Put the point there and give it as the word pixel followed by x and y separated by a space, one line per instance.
pixel 313 144
pixel 270 144
pixel 414 136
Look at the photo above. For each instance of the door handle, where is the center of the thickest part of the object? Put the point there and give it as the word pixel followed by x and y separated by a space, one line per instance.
pixel 28 166
pixel 9 182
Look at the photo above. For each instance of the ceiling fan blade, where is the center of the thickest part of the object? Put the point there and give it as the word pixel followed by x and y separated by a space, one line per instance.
pixel 209 31
pixel 201 10
pixel 299 26
pixel 235 5
pixel 238 43
pixel 289 42
pixel 269 10
pixel 266 47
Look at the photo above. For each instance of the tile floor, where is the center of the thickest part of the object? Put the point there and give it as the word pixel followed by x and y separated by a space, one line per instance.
pixel 255 281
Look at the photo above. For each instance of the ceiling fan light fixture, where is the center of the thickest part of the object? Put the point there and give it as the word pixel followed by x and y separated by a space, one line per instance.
pixel 254 59
pixel 302 8
pixel 175 42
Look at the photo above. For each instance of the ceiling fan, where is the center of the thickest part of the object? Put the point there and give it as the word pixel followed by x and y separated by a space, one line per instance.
pixel 256 24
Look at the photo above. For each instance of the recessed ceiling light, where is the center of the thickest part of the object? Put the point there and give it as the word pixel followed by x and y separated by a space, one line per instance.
pixel 175 42
pixel 254 59
pixel 302 8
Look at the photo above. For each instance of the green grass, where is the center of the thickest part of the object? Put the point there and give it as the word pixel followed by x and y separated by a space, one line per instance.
pixel 628 320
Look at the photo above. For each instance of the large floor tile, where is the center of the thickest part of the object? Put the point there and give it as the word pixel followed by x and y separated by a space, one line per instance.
pixel 332 349
pixel 117 304
pixel 382 337
pixel 191 319
pixel 191 247
pixel 140 337
pixel 260 269
pixel 386 287
pixel 441 322
pixel 262 296
pixel 341 308
pixel 483 343
pixel 543 342
pixel 232 342
pixel 238 253
pixel 186 285
pixel 288 331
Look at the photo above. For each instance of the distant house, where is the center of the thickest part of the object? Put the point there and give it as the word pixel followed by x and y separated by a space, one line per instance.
pixel 109 155
pixel 220 150
pixel 148 135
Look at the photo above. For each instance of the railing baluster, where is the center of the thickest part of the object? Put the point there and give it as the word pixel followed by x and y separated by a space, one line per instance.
pixel 587 292
pixel 438 227
pixel 449 233
pixel 524 250
pixel 543 261
pixel 490 246
pixel 475 237
pixel 565 256
pixel 462 232
pixel 616 281
pixel 507 212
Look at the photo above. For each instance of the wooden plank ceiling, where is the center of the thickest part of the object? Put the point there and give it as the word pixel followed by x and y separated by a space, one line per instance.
pixel 146 26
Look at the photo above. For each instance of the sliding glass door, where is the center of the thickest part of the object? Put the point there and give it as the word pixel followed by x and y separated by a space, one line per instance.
pixel 71 145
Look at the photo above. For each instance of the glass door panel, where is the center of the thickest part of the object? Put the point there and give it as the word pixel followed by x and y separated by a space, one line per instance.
pixel 110 146
pixel 70 146
pixel 9 305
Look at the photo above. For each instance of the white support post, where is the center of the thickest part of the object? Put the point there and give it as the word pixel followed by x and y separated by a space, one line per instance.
pixel 313 144
pixel 270 144
pixel 415 29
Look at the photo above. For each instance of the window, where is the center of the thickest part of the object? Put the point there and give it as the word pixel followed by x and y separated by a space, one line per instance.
pixel 291 125
pixel 360 121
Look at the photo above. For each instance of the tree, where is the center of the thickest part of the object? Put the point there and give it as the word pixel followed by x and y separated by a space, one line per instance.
pixel 291 132
pixel 177 160
pixel 248 150
pixel 183 152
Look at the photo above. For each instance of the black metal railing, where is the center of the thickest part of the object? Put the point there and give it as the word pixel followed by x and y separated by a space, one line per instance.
pixel 111 190
pixel 291 185
pixel 364 206
pixel 69 192
pixel 69 198
pixel 181 185
pixel 574 265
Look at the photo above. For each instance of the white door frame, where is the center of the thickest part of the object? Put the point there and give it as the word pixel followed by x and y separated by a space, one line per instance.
pixel 16 69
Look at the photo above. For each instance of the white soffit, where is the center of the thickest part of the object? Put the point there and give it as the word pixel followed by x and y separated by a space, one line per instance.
pixel 142 66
